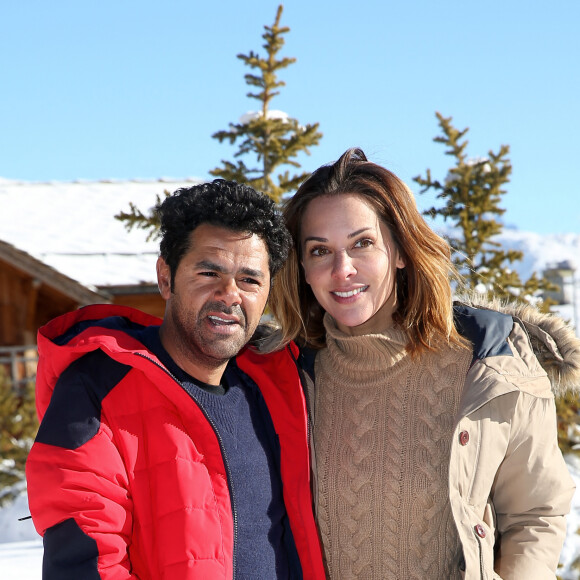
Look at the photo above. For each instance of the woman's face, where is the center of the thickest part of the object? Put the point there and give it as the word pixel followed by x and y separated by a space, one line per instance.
pixel 350 262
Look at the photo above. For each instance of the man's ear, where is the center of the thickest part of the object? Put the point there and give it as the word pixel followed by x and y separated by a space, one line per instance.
pixel 163 278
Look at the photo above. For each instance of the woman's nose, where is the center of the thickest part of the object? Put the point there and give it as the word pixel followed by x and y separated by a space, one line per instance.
pixel 343 266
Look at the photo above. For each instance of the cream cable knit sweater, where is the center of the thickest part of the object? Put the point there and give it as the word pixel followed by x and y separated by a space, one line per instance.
pixel 382 433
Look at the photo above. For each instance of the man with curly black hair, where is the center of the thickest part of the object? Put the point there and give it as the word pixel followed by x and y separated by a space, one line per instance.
pixel 228 239
pixel 170 449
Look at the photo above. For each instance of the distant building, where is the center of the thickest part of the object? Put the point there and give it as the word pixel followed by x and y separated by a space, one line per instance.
pixel 562 275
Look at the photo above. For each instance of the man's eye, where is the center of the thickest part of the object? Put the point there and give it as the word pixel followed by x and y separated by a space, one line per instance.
pixel 208 274
pixel 251 281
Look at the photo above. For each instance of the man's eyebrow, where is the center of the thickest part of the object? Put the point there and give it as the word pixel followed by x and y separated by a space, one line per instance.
pixel 213 267
pixel 207 265
pixel 352 235
pixel 253 273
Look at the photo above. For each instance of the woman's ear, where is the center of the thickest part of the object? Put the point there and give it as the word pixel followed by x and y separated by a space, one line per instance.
pixel 400 262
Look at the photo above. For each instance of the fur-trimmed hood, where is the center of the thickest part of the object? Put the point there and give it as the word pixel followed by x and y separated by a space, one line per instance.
pixel 553 340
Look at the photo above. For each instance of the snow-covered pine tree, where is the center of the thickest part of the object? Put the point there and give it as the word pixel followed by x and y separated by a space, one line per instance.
pixel 274 138
pixel 271 138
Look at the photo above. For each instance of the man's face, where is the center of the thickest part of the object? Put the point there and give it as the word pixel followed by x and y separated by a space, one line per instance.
pixel 220 292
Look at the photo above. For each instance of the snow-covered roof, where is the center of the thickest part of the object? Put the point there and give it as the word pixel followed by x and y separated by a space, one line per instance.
pixel 71 227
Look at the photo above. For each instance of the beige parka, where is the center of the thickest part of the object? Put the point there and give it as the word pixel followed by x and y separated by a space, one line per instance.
pixel 509 487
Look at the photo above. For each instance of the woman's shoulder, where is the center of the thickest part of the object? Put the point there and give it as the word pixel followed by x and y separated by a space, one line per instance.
pixel 486 329
pixel 519 341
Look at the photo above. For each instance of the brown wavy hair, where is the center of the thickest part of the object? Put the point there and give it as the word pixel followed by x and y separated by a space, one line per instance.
pixel 424 293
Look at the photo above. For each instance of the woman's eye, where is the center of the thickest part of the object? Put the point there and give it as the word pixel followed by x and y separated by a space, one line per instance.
pixel 363 243
pixel 318 251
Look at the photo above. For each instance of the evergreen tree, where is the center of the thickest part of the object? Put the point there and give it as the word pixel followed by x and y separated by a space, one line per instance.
pixel 18 426
pixel 470 198
pixel 271 136
pixel 135 218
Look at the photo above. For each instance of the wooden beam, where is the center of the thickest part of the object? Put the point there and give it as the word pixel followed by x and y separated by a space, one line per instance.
pixel 33 287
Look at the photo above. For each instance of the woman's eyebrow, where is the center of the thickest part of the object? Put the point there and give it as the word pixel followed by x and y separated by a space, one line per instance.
pixel 352 235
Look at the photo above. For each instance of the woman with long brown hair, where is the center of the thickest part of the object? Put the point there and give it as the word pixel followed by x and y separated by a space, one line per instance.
pixel 433 424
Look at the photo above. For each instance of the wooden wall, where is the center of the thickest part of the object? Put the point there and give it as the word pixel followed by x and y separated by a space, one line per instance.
pixel 25 305
pixel 150 303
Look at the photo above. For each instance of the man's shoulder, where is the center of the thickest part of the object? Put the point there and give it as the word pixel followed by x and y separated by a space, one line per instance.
pixel 74 414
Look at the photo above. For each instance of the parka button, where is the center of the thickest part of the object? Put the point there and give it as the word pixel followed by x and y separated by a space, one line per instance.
pixel 464 438
pixel 480 531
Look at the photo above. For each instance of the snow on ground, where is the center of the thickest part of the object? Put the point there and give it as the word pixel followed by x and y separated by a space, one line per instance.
pixel 20 545
pixel 571 549
pixel 13 526
pixel 21 560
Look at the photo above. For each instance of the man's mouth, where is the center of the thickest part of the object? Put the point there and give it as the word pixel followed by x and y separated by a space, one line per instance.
pixel 219 321
pixel 350 292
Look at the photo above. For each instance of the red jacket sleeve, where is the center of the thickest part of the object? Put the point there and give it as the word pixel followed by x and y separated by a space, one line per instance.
pixel 77 482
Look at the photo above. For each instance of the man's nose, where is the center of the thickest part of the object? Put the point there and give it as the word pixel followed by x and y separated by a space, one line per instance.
pixel 228 292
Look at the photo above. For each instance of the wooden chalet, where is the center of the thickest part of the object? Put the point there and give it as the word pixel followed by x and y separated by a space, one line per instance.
pixel 61 248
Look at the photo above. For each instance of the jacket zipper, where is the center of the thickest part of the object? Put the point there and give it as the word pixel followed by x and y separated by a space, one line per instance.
pixel 224 457
pixel 304 377
pixel 303 382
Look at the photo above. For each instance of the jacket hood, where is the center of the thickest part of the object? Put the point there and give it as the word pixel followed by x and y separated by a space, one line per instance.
pixel 74 334
pixel 554 342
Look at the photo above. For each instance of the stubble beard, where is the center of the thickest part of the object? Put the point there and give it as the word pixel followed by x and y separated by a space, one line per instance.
pixel 209 349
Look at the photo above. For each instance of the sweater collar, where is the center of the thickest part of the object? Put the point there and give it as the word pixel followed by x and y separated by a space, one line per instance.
pixel 367 353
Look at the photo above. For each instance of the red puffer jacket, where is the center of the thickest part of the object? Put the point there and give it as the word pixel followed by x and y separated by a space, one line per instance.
pixel 136 486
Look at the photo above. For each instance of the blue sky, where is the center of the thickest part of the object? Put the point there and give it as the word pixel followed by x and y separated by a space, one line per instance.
pixel 129 89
